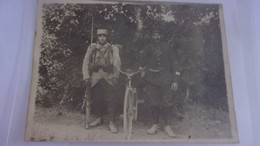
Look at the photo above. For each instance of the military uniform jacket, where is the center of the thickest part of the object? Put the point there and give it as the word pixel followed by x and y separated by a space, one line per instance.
pixel 159 56
pixel 101 55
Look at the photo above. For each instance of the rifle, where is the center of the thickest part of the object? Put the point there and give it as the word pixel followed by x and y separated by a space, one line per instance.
pixel 87 93
pixel 87 104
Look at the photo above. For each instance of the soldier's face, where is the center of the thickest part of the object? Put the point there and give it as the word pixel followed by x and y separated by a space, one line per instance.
pixel 156 36
pixel 102 39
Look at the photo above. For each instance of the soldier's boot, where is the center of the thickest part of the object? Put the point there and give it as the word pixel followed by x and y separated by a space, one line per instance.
pixel 169 131
pixel 153 129
pixel 97 122
pixel 112 127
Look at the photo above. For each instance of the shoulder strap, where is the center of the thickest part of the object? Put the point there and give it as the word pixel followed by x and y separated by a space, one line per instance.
pixel 110 53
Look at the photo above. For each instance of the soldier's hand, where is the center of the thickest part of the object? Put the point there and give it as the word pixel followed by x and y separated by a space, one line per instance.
pixel 87 82
pixel 174 86
pixel 142 71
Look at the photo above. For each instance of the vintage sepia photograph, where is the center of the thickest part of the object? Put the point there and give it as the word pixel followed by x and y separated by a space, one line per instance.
pixel 130 71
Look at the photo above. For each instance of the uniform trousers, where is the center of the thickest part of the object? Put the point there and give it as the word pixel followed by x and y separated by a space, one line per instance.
pixel 103 100
pixel 160 102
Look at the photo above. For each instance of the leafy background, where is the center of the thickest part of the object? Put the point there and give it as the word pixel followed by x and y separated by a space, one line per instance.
pixel 192 31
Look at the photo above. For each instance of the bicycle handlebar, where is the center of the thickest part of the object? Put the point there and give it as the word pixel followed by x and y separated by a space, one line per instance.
pixel 127 73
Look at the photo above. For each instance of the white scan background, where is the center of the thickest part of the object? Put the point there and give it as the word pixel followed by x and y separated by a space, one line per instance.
pixel 17 24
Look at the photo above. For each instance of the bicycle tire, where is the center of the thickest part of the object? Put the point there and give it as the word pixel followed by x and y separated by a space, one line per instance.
pixel 125 122
pixel 128 114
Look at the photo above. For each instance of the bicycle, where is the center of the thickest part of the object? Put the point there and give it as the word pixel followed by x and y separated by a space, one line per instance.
pixel 130 104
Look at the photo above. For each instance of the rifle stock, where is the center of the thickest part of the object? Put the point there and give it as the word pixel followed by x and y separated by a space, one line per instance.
pixel 87 97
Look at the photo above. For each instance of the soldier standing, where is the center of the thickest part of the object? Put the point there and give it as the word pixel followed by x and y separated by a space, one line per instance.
pixel 99 72
pixel 160 77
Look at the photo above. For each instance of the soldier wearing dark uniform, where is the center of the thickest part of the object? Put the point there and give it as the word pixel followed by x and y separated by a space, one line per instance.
pixel 160 77
pixel 99 72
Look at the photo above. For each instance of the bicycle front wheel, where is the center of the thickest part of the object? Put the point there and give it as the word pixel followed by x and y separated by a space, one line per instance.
pixel 128 114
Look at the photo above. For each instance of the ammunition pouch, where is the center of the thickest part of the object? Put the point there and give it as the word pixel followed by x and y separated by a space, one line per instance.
pixel 94 68
pixel 108 68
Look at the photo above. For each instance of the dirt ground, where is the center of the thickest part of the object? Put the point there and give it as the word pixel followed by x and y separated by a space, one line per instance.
pixel 198 122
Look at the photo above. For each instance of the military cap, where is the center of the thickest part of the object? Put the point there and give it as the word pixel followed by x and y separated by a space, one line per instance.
pixel 102 32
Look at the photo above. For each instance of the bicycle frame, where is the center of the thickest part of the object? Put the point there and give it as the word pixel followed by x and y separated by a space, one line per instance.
pixel 130 104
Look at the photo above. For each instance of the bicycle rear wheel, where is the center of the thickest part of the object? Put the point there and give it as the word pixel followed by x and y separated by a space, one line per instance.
pixel 128 113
